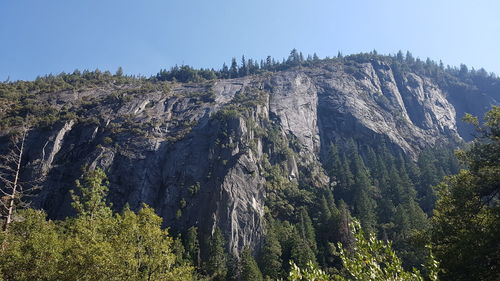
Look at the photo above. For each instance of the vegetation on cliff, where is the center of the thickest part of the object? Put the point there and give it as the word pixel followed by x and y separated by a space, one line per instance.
pixel 312 229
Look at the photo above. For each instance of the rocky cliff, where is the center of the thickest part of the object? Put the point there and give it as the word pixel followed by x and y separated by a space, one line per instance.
pixel 199 153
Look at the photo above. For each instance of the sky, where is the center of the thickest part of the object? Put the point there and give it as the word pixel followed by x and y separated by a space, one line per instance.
pixel 39 37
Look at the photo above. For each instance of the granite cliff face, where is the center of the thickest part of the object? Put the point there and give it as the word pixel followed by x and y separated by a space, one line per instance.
pixel 197 152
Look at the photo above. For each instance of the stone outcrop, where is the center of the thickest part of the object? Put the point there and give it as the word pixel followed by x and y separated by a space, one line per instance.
pixel 194 151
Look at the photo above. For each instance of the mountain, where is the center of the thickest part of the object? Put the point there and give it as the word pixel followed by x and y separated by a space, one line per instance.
pixel 230 153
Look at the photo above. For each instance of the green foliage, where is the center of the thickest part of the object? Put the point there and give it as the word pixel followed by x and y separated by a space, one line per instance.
pixel 194 189
pixel 301 251
pixel 119 72
pixel 192 245
pixel 92 199
pixel 270 259
pixel 306 230
pixel 309 273
pixel 249 269
pixel 387 192
pixel 185 74
pixel 108 140
pixel 466 221
pixel 23 101
pixel 372 260
pixel 94 245
pixel 32 249
pixel 216 264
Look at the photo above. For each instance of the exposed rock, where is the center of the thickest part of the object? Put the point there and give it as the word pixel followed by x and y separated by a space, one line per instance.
pixel 164 148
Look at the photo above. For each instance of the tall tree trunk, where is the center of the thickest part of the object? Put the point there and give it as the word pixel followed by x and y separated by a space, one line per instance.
pixel 15 184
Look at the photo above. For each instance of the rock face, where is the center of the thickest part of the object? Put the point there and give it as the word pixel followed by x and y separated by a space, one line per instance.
pixel 194 152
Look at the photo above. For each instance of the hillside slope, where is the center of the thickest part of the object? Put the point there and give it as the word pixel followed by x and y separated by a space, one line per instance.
pixel 204 153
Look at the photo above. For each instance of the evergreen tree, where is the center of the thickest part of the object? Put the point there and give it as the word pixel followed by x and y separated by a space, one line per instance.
pixel 345 180
pixel 373 260
pixel 364 205
pixel 324 230
pixel 233 268
pixel 333 164
pixel 89 200
pixel 233 70
pixel 243 71
pixel 269 63
pixel 249 269
pixel 328 229
pixel 400 56
pixel 224 73
pixel 191 245
pixel 301 252
pixel 271 261
pixel 306 230
pixel 344 234
pixel 216 265
pixel 119 72
pixel 293 58
pixel 466 221
pixel 365 210
pixel 326 213
pixel 409 58
pixel 331 203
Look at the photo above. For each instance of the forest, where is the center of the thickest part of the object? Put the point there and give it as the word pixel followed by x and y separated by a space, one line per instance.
pixel 384 215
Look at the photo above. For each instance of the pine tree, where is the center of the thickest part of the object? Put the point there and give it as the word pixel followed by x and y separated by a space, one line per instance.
pixel 301 252
pixel 293 58
pixel 233 70
pixel 271 262
pixel 331 203
pixel 216 264
pixel 344 234
pixel 325 211
pixel 409 58
pixel 373 260
pixel 224 73
pixel 400 56
pixel 249 269
pixel 327 229
pixel 324 230
pixel 119 72
pixel 306 230
pixel 243 71
pixel 269 63
pixel 345 180
pixel 90 198
pixel 365 210
pixel 364 205
pixel 333 164
pixel 465 225
pixel 233 268
pixel 191 245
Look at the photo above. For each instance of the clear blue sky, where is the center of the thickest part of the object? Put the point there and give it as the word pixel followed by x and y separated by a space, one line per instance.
pixel 40 37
